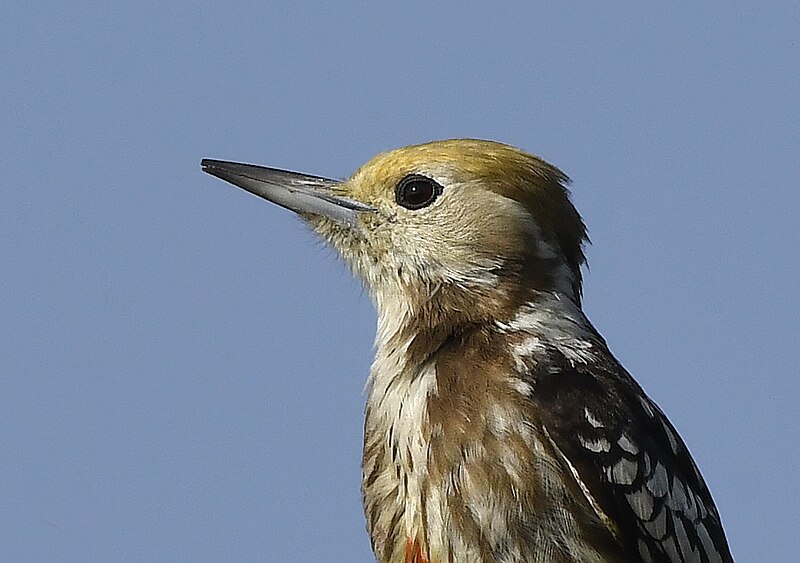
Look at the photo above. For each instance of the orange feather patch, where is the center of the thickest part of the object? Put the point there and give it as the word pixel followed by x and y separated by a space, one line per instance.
pixel 414 552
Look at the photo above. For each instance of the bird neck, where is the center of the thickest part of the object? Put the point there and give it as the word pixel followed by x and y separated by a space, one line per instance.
pixel 414 322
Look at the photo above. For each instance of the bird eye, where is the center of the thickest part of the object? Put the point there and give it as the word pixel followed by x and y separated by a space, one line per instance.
pixel 416 191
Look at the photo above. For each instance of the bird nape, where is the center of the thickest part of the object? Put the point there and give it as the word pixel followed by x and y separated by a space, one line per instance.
pixel 499 426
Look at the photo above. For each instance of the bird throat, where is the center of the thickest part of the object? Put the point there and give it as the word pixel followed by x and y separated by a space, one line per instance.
pixel 396 439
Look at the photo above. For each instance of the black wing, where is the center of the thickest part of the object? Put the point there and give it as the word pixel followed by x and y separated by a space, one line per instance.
pixel 630 459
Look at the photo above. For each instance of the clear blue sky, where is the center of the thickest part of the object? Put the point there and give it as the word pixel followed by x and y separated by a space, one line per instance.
pixel 183 364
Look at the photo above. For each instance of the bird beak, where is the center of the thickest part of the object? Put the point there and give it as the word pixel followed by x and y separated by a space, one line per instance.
pixel 301 193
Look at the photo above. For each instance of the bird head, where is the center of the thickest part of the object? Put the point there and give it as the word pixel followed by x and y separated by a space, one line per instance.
pixel 468 227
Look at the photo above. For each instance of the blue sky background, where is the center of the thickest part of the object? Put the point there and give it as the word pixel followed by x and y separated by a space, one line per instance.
pixel 183 364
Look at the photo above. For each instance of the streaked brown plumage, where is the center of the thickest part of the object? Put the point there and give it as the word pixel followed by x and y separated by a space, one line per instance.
pixel 499 427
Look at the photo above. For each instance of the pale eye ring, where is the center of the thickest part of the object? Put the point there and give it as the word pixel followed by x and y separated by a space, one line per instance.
pixel 416 191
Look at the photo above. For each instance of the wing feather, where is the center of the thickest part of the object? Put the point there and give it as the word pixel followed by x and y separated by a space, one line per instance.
pixel 630 462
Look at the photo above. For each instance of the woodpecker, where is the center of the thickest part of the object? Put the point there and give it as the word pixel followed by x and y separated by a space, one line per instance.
pixel 499 427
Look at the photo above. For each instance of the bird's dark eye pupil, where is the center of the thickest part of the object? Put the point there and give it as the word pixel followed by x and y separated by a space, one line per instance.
pixel 416 191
